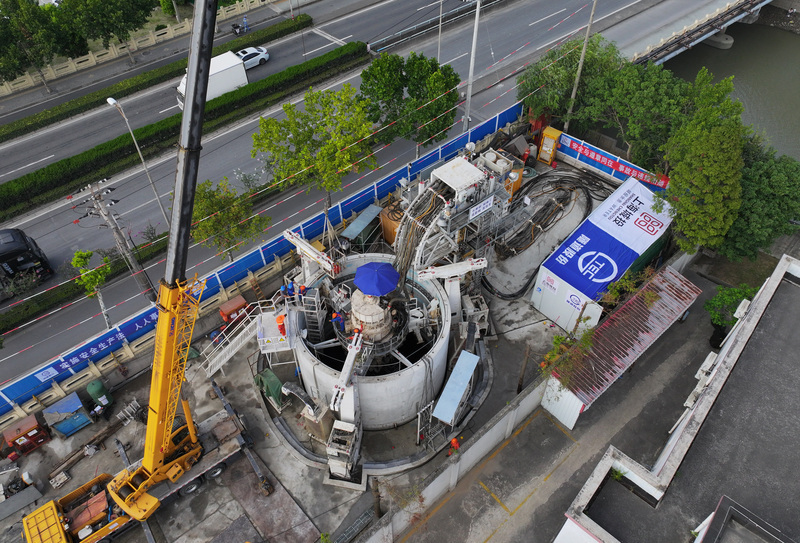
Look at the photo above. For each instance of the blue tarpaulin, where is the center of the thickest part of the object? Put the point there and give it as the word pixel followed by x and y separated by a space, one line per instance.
pixel 67 415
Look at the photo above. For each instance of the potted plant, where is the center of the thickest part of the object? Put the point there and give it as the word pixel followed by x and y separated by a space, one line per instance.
pixel 722 307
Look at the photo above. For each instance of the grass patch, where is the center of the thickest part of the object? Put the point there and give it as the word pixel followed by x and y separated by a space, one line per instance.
pixel 750 272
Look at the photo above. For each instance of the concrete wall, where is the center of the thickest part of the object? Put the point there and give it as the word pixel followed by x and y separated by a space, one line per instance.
pixel 444 480
pixel 562 403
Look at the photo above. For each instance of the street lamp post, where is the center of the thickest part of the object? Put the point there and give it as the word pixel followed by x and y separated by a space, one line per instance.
pixel 471 66
pixel 117 105
pixel 439 47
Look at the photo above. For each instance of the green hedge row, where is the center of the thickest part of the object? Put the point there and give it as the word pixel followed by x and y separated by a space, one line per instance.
pixel 62 294
pixel 143 81
pixel 64 177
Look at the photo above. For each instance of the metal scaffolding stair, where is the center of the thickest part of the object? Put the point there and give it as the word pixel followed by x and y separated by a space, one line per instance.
pixel 229 345
pixel 315 312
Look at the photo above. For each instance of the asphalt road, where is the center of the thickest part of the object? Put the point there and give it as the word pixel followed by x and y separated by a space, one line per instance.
pixel 510 37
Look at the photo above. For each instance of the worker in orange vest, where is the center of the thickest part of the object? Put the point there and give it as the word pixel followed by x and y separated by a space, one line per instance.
pixel 281 324
pixel 454 446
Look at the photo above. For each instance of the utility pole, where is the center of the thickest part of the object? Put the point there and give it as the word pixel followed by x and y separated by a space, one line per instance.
pixel 471 66
pixel 145 288
pixel 580 67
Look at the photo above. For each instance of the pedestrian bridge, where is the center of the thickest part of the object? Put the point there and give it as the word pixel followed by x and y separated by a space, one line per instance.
pixel 670 27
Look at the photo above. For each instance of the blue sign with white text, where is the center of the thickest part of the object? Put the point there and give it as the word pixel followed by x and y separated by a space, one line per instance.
pixel 590 259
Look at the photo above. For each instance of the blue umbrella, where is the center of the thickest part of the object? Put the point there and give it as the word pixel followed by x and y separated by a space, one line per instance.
pixel 376 278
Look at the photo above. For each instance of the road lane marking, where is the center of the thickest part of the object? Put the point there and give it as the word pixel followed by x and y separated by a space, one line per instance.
pixel 617 11
pixel 458 57
pixel 536 488
pixel 27 165
pixel 492 494
pixel 330 37
pixel 545 18
pixel 356 13
pixel 429 5
pixel 173 107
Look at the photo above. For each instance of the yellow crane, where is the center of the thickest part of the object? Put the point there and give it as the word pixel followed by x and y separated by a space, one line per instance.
pixel 168 452
pixel 106 506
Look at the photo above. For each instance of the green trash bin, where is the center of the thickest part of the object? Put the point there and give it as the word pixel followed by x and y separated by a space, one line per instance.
pixel 99 393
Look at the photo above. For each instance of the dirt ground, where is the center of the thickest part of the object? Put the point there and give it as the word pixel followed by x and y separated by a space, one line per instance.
pixel 725 272
pixel 779 18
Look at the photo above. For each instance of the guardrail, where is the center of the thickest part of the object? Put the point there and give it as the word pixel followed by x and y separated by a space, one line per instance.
pixel 105 352
pixel 698 31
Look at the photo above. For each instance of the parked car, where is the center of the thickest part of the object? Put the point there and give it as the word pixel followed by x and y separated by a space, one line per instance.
pixel 253 56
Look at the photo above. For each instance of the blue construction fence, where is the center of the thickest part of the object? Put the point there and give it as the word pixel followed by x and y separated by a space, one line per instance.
pixel 95 349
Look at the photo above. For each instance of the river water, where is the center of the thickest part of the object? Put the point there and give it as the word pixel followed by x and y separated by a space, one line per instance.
pixel 766 68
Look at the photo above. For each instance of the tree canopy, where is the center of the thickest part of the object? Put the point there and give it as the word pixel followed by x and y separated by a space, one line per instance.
pixel 770 200
pixel 90 278
pixel 546 86
pixel 222 219
pixel 642 103
pixel 108 19
pixel 704 158
pixel 318 145
pixel 411 98
pixel 31 35
pixel 27 38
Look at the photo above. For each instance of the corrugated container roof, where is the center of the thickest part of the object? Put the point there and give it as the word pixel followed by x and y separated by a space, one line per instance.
pixel 630 330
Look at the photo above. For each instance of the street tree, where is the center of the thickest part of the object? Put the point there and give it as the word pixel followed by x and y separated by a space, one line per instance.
pixel 92 279
pixel 413 98
pixel 432 98
pixel 641 103
pixel 69 41
pixel 546 86
pixel 223 220
pixel 27 39
pixel 704 162
pixel 383 86
pixel 108 19
pixel 318 145
pixel 770 200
